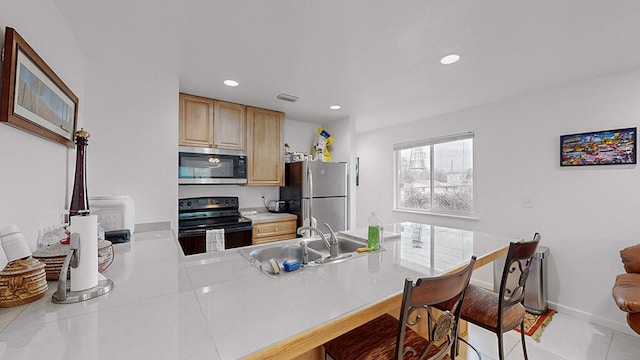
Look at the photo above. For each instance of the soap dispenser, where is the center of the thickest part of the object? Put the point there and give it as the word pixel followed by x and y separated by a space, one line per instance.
pixel 375 238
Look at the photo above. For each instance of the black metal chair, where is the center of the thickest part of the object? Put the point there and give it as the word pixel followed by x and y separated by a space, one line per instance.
pixel 502 311
pixel 387 338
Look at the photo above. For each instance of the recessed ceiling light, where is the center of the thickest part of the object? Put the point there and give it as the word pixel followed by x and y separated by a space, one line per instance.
pixel 231 83
pixel 335 107
pixel 450 59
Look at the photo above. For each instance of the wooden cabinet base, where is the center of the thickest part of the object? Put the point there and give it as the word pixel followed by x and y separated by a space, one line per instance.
pixel 274 231
pixel 314 354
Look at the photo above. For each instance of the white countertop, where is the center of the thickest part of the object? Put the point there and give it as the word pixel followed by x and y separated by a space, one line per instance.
pixel 215 305
pixel 265 217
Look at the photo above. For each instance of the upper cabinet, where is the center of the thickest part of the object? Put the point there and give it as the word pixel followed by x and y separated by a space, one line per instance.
pixel 229 125
pixel 265 163
pixel 217 124
pixel 196 121
pixel 211 123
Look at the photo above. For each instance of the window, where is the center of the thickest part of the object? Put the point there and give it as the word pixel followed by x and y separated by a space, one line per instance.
pixel 435 175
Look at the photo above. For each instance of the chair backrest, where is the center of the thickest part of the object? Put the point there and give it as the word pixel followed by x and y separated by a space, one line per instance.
pixel 431 291
pixel 515 272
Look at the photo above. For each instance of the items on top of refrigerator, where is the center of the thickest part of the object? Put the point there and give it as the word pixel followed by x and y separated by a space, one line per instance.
pixel 320 146
pixel 295 156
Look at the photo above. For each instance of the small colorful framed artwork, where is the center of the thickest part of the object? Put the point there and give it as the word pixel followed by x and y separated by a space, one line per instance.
pixel 606 147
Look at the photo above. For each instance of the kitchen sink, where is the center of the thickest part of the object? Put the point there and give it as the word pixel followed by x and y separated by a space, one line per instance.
pixel 318 254
pixel 280 253
pixel 345 245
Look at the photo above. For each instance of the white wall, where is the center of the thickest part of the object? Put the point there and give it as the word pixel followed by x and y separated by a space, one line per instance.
pixel 131 101
pixel 342 133
pixel 585 215
pixel 34 186
pixel 300 135
pixel 133 146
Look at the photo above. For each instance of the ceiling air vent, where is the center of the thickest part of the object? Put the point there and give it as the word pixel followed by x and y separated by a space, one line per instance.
pixel 287 97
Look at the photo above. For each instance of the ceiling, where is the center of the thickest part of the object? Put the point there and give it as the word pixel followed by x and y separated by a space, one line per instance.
pixel 378 59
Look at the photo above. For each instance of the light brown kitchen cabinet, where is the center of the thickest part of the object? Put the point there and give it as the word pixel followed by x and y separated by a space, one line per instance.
pixel 274 231
pixel 211 123
pixel 265 163
pixel 229 125
pixel 195 121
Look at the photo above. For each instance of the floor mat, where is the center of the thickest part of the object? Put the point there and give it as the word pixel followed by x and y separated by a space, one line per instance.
pixel 534 324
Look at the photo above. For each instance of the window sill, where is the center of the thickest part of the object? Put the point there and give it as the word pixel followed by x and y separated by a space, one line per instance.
pixel 452 216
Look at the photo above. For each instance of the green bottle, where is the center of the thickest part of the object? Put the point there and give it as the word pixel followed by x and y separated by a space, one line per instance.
pixel 373 238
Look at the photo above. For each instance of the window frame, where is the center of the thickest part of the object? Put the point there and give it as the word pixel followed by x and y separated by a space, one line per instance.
pixel 431 142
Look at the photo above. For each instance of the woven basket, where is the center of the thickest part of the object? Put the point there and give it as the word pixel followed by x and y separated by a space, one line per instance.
pixel 53 257
pixel 22 281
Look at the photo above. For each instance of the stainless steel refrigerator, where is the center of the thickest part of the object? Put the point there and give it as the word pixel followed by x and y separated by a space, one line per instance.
pixel 317 190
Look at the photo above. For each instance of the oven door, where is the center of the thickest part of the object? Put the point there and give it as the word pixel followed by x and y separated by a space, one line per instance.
pixel 195 241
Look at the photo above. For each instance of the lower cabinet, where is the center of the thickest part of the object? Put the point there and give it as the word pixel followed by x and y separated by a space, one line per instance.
pixel 274 231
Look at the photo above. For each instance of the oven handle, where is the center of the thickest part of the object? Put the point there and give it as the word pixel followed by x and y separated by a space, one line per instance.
pixel 239 229
pixel 229 230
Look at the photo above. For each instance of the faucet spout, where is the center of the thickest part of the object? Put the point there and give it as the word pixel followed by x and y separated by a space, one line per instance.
pixel 312 230
pixel 333 243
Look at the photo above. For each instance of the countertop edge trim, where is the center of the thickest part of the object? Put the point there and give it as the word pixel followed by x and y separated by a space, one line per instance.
pixel 302 342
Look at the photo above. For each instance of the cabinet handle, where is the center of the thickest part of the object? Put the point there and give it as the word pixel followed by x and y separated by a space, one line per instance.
pixel 276 228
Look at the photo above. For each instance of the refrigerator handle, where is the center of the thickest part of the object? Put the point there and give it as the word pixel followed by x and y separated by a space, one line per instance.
pixel 310 188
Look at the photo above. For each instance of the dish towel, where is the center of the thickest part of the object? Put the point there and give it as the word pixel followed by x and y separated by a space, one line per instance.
pixel 215 240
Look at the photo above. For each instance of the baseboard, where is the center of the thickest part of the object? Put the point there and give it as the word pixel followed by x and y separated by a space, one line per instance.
pixel 622 327
pixel 483 284
pixel 154 226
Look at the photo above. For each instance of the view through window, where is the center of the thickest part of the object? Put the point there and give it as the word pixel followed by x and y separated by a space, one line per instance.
pixel 435 175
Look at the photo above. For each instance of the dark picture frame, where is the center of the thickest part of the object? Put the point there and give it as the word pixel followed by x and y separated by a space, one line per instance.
pixel 605 147
pixel 33 97
pixel 358 171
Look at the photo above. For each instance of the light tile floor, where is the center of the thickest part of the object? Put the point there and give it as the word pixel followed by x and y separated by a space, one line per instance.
pixel 565 338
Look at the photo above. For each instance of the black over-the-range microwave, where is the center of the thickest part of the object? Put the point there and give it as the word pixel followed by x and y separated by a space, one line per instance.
pixel 211 166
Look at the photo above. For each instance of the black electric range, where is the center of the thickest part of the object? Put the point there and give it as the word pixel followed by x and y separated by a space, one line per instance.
pixel 197 215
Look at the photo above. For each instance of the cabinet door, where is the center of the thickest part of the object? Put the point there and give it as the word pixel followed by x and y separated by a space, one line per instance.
pixel 196 121
pixel 265 153
pixel 229 126
pixel 274 231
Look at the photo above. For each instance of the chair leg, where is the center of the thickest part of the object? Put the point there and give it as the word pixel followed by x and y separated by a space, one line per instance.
pixel 524 346
pixel 456 344
pixel 468 346
pixel 500 347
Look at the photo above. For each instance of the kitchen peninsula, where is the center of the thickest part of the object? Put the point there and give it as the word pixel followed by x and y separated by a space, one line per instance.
pixel 217 306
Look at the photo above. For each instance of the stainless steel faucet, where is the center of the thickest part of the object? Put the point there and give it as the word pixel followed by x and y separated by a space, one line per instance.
pixel 305 253
pixel 332 244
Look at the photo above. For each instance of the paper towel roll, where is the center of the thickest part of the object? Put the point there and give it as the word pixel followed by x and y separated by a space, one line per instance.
pixel 13 242
pixel 85 276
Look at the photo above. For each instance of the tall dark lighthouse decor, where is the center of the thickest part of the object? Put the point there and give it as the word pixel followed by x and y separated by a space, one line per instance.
pixel 79 199
pixel 82 257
